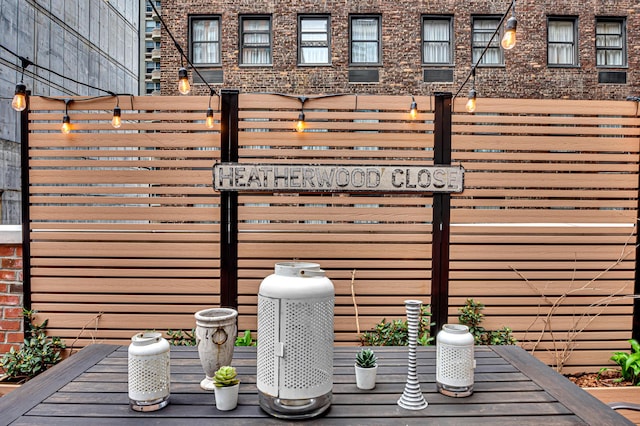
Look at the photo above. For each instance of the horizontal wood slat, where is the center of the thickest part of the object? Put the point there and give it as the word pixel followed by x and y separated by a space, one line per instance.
pixel 125 224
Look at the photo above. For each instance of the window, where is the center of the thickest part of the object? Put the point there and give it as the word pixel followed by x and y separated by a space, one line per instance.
pixel 255 40
pixel 483 29
pixel 561 42
pixel 205 40
pixel 365 44
pixel 610 42
pixel 437 40
pixel 314 40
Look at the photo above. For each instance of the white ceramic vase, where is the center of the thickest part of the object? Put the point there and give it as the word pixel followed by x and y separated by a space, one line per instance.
pixel 366 377
pixel 216 331
pixel 226 397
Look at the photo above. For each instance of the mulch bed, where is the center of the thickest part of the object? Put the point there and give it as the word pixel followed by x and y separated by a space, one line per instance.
pixel 591 380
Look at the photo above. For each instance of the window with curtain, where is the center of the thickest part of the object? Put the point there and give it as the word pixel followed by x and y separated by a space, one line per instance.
pixel 205 41
pixel 483 29
pixel 437 40
pixel 314 40
pixel 561 42
pixel 255 40
pixel 610 42
pixel 365 41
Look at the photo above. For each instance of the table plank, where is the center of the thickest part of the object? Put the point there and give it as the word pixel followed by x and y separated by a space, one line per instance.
pixel 577 400
pixel 37 389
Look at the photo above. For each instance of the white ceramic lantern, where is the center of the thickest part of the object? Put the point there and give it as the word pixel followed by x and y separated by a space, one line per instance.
pixel 454 360
pixel 295 341
pixel 149 373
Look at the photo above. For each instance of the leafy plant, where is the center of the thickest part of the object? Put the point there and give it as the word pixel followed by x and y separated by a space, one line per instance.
pixel 38 352
pixel 471 315
pixel 226 376
pixel 629 363
pixel 245 339
pixel 396 332
pixel 366 358
pixel 182 337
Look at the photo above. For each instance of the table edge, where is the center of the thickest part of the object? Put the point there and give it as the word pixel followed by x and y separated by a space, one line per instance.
pixel 19 401
pixel 582 404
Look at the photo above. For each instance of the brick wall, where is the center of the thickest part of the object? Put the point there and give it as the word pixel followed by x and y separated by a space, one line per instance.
pixel 525 74
pixel 11 295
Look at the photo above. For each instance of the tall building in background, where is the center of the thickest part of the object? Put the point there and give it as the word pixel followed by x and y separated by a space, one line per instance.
pixel 151 48
pixel 573 49
pixel 96 42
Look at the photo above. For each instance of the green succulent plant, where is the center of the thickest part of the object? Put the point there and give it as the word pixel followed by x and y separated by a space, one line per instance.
pixel 366 359
pixel 225 376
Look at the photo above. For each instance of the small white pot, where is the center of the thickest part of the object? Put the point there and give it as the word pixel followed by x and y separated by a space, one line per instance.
pixel 366 377
pixel 226 397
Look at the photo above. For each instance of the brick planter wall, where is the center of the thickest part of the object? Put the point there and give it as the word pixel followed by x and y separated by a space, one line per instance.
pixel 11 294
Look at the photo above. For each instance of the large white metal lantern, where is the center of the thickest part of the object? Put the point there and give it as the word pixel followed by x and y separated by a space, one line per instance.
pixel 295 341
pixel 149 373
pixel 454 360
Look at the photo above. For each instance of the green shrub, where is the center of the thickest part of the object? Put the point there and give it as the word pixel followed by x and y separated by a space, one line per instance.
pixel 38 352
pixel 629 363
pixel 471 315
pixel 396 332
pixel 245 339
pixel 182 337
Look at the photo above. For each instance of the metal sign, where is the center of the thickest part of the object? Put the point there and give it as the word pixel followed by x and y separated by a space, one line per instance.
pixel 336 178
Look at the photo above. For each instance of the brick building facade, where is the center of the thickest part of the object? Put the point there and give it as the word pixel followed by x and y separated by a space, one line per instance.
pixel 402 36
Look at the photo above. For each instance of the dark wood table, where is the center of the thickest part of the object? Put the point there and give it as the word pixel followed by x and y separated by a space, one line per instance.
pixel 511 388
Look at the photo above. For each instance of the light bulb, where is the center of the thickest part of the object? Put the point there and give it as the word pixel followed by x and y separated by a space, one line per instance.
pixel 509 38
pixel 300 125
pixel 209 122
pixel 116 121
pixel 471 103
pixel 183 81
pixel 414 110
pixel 19 102
pixel 66 125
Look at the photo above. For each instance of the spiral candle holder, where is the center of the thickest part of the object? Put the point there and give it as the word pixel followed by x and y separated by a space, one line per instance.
pixel 412 398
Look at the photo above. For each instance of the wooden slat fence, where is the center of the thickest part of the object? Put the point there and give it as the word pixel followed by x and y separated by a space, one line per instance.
pixel 125 224
pixel 545 231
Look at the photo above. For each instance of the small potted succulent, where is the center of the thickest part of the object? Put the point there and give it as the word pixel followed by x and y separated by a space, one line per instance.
pixel 226 388
pixel 366 369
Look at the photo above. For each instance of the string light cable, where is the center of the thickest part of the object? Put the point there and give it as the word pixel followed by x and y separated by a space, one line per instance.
pixel 472 72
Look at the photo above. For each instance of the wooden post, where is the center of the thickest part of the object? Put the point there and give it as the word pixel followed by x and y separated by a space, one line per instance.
pixel 229 203
pixel 441 215
pixel 26 217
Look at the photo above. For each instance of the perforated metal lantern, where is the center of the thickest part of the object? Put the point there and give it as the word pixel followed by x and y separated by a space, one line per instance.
pixel 149 372
pixel 295 341
pixel 454 360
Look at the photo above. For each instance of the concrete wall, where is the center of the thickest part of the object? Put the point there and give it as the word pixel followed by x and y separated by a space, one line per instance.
pixel 91 41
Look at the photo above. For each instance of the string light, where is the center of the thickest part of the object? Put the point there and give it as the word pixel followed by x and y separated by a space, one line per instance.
pixel 413 110
pixel 471 102
pixel 300 124
pixel 183 81
pixel 509 38
pixel 209 121
pixel 66 121
pixel 116 121
pixel 19 102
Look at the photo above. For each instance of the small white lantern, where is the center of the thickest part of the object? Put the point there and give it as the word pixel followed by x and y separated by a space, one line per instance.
pixel 295 341
pixel 454 360
pixel 149 373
